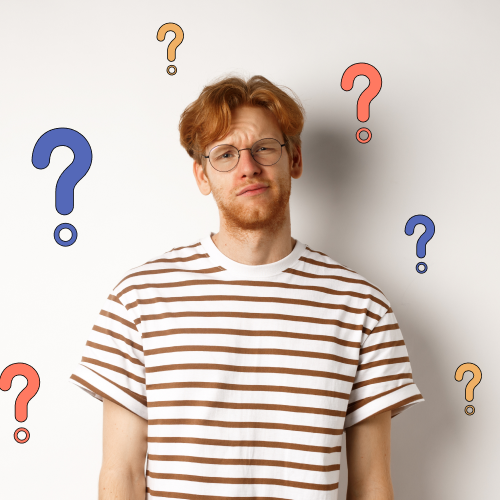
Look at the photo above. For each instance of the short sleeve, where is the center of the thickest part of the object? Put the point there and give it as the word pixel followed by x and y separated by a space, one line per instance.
pixel 384 379
pixel 112 364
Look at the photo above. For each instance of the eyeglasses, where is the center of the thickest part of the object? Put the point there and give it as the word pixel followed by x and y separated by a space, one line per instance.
pixel 225 157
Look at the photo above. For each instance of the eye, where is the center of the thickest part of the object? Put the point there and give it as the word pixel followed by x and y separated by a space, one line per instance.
pixel 224 156
pixel 223 153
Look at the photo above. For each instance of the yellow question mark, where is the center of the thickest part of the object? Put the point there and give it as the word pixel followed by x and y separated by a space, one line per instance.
pixel 469 388
pixel 179 36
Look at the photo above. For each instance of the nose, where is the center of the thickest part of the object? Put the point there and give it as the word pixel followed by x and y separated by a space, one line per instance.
pixel 247 166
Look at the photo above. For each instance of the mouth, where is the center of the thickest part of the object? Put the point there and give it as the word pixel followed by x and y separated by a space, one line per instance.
pixel 254 192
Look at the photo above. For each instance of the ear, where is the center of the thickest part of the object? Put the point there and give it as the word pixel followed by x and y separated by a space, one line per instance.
pixel 296 164
pixel 201 179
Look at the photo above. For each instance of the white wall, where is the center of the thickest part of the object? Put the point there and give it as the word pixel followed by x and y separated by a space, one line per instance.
pixel 97 67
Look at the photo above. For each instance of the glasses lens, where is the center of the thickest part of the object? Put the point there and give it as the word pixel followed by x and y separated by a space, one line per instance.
pixel 223 157
pixel 267 151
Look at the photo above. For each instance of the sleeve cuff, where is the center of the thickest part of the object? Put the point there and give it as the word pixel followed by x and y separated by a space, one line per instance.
pixel 100 387
pixel 401 399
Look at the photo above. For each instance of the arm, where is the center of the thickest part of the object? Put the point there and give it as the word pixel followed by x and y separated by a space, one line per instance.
pixel 124 454
pixel 368 451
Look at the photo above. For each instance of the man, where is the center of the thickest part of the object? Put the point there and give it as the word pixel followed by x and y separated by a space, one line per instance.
pixel 237 362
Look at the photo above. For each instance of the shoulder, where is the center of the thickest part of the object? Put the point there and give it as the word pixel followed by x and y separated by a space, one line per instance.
pixel 183 258
pixel 319 268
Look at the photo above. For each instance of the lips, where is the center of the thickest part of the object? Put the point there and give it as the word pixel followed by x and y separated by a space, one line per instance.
pixel 254 192
pixel 253 189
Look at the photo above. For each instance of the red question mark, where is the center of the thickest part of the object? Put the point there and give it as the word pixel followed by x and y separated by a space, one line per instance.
pixel 21 406
pixel 363 108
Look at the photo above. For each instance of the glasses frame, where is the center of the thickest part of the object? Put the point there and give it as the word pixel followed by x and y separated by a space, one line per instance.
pixel 243 149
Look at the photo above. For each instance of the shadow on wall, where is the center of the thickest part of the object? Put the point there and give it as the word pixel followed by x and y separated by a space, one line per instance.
pixel 323 196
pixel 328 203
pixel 423 436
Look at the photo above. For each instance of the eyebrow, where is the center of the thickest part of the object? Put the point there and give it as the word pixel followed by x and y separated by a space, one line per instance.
pixel 229 144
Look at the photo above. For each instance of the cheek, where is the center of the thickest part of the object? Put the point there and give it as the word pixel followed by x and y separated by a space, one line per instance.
pixel 282 174
pixel 221 187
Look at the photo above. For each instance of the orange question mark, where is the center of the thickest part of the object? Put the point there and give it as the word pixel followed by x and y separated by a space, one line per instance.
pixel 21 406
pixel 469 388
pixel 179 36
pixel 366 97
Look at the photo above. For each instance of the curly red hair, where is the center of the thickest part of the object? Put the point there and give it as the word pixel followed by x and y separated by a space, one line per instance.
pixel 208 119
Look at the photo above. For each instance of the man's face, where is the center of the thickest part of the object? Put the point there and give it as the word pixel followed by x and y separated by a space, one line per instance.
pixel 251 196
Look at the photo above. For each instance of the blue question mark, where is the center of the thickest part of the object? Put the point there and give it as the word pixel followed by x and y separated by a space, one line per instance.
pixel 65 187
pixel 424 237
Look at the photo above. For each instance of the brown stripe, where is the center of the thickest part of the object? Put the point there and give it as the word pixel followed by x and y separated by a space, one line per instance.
pixel 267 284
pixel 190 496
pixel 249 369
pixel 385 328
pixel 331 276
pixel 241 298
pixel 231 314
pixel 317 251
pixel 324 264
pixel 114 298
pixel 115 335
pixel 113 368
pixel 173 249
pixel 243 387
pixel 245 425
pixel 362 402
pixel 383 362
pixel 97 391
pixel 195 256
pixel 244 443
pixel 112 350
pixel 251 333
pixel 115 317
pixel 383 345
pixel 173 270
pixel 237 480
pixel 379 380
pixel 251 462
pixel 188 246
pixel 393 326
pixel 246 406
pixel 118 301
pixel 248 350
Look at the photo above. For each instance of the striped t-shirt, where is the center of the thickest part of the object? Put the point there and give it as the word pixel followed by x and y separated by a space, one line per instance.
pixel 247 375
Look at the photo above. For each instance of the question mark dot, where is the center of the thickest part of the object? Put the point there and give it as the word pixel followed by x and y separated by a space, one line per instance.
pixel 366 134
pixel 173 68
pixel 470 410
pixel 25 432
pixel 64 227
pixel 419 270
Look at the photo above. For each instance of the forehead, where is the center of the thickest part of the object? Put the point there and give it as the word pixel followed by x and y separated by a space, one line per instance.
pixel 249 124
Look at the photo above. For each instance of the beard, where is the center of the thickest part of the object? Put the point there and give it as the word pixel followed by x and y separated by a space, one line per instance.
pixel 268 216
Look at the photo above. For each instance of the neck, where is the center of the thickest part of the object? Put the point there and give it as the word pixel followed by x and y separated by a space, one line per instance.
pixel 255 248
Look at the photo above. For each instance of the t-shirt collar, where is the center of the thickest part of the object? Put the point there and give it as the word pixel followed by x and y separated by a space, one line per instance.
pixel 260 271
